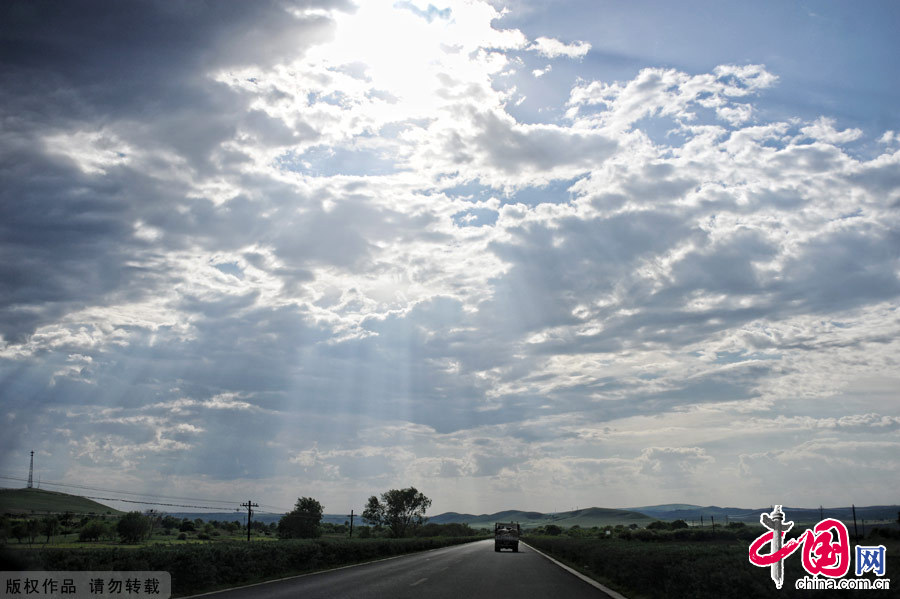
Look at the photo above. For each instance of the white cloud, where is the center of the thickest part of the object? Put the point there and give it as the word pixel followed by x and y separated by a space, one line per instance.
pixel 823 130
pixel 553 48
pixel 657 92
pixel 351 262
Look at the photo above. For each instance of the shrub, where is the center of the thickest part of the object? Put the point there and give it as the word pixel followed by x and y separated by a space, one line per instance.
pixel 303 521
pixel 132 527
pixel 196 567
pixel 885 533
pixel 92 531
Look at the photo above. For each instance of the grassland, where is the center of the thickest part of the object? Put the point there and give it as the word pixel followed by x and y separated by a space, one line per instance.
pixel 203 567
pixel 709 565
pixel 39 501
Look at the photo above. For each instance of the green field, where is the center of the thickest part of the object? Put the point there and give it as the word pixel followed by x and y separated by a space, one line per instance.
pixel 38 501
pixel 684 568
pixel 203 567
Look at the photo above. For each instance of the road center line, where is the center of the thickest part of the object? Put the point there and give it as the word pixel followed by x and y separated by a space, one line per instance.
pixel 420 581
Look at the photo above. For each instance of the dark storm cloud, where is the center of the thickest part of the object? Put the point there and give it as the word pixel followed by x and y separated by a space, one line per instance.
pixel 114 59
pixel 133 77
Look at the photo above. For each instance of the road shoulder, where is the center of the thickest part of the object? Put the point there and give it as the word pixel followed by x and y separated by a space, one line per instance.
pixel 613 594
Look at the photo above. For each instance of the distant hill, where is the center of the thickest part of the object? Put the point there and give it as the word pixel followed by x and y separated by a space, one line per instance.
pixel 39 501
pixel 449 517
pixel 666 507
pixel 692 513
pixel 585 518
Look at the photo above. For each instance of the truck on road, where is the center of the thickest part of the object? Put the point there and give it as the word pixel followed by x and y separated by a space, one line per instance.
pixel 506 535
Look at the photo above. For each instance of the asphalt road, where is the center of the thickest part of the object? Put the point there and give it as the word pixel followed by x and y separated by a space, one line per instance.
pixel 460 572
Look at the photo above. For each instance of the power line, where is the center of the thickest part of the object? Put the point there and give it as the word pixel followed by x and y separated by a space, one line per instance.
pixel 228 508
pixel 277 510
pixel 249 505
pixel 73 486
pixel 203 507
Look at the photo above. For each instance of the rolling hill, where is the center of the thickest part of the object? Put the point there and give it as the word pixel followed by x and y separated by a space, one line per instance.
pixel 585 518
pixel 39 501
pixel 692 513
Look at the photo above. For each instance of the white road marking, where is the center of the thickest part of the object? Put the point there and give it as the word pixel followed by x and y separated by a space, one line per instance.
pixel 420 581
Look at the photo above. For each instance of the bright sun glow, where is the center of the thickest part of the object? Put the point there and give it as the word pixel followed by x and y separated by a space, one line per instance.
pixel 381 36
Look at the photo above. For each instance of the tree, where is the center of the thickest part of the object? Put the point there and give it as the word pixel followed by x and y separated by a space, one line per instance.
pixel 50 526
pixel 92 531
pixel 5 531
pixel 132 527
pixel 33 528
pixel 19 531
pixel 153 518
pixel 575 531
pixel 398 509
pixel 303 521
pixel 552 529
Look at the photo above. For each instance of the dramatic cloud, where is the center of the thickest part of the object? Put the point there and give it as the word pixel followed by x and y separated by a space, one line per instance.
pixel 283 247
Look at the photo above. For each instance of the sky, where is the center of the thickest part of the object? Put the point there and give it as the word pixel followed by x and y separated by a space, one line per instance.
pixel 519 255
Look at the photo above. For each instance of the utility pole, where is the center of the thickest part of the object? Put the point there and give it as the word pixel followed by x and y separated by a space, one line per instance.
pixel 31 471
pixel 855 532
pixel 351 524
pixel 249 505
pixel 821 516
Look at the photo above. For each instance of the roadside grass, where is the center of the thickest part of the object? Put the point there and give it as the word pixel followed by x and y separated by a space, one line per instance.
pixel 207 566
pixel 70 541
pixel 678 569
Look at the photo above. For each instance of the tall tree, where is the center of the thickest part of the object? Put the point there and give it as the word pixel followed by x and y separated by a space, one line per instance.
pixel 132 527
pixel 92 531
pixel 398 509
pixel 50 526
pixel 303 521
pixel 19 531
pixel 33 527
pixel 153 518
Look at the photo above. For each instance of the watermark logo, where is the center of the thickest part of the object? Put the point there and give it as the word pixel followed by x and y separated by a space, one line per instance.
pixel 86 585
pixel 870 559
pixel 825 551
